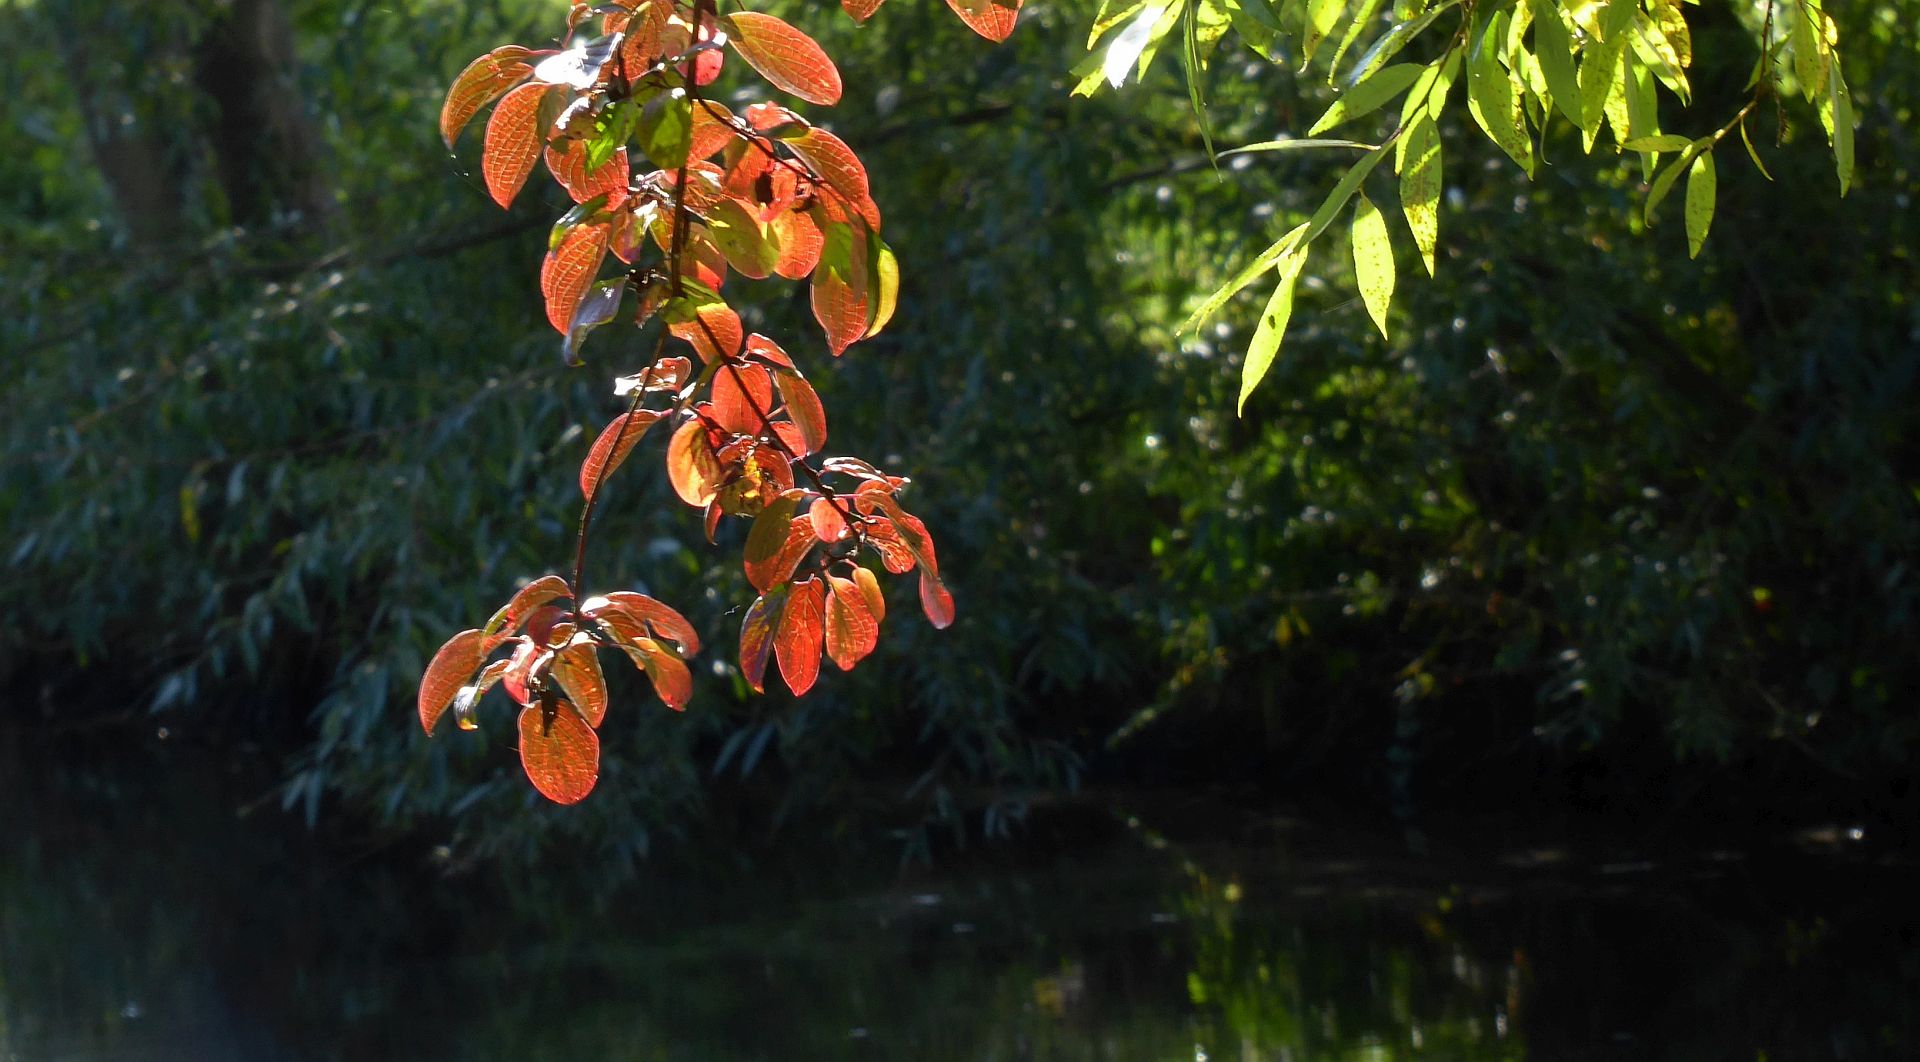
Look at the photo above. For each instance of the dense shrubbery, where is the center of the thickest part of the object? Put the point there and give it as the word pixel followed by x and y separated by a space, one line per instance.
pixel 1587 491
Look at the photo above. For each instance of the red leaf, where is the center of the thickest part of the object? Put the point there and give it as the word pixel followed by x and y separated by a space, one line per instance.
pixel 661 620
pixel 513 144
pixel 541 591
pixel 613 446
pixel 799 542
pixel 870 587
pixel 756 635
pixel 742 396
pixel 568 164
pixel 667 374
pixel 561 756
pixel 484 80
pixel 569 270
pixel 672 682
pixel 789 59
pixel 798 642
pixel 449 670
pixel 894 553
pixel 800 243
pixel 691 467
pixel 712 131
pixel 913 533
pixel 577 669
pixel 852 630
pixel 759 346
pixel 529 662
pixel 861 10
pixel 992 19
pixel 935 601
pixel 827 520
pixel 804 409
pixel 831 158
pixel 711 323
pixel 841 309
pixel 644 44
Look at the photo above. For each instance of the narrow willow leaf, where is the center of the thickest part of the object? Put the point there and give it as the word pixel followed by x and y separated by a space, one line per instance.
pixel 1599 68
pixel 1700 195
pixel 1296 145
pixel 1127 47
pixel 1812 58
pixel 1322 17
pixel 1651 46
pixel 1272 327
pixel 1553 46
pixel 1368 96
pixel 1752 152
pixel 1392 41
pixel 1663 183
pixel 1373 261
pixel 1491 99
pixel 1659 142
pixel 1336 200
pixel 1836 113
pixel 1362 20
pixel 1263 262
pixel 1420 183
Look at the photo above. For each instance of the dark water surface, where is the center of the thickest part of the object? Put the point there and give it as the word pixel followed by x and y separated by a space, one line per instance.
pixel 140 918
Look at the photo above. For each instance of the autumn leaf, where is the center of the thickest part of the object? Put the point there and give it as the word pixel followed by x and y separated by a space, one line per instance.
pixel 712 130
pixel 789 59
pixel 484 80
pixel 529 662
pixel 451 666
pixel 992 19
pixel 828 522
pixel 935 601
pixel 672 682
pixel 660 619
pixel 869 585
pixel 568 164
pixel 778 567
pixel 756 635
pixel 800 242
pixel 569 270
pixel 851 629
pixel 513 143
pixel 711 327
pixel 803 408
pixel 691 466
pixel 561 755
pixel 613 446
pixel 831 158
pixel 577 669
pixel 798 642
pixel 742 396
pixel 839 291
pixel 861 10
pixel 541 591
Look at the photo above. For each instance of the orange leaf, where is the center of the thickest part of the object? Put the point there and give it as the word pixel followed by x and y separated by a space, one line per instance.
pixel 742 396
pixel 800 243
pixel 643 45
pixel 613 446
pixel 852 631
pixel 894 553
pixel 861 10
pixel 798 642
pixel 560 755
pixel 804 409
pixel 759 346
pixel 756 635
pixel 827 521
pixel 569 270
pixel 577 669
pixel 711 323
pixel 831 158
pixel 691 466
pixel 541 591
pixel 789 59
pixel 449 670
pixel 568 164
pixel 672 682
pixel 992 19
pixel 513 144
pixel 711 130
pixel 870 587
pixel 661 620
pixel 935 601
pixel 913 533
pixel 484 80
pixel 776 569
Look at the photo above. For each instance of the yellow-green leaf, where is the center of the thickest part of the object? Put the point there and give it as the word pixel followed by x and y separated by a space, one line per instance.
pixel 1553 46
pixel 1700 193
pixel 1372 260
pixel 1491 98
pixel 1368 96
pixel 1272 327
pixel 1420 187
pixel 1259 265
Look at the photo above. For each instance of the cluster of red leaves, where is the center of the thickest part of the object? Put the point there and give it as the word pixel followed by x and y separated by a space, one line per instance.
pixel 759 194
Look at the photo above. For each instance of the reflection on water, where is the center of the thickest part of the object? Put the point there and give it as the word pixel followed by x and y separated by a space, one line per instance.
pixel 142 920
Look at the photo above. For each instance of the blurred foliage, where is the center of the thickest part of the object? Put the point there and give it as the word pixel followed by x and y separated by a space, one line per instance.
pixel 259 462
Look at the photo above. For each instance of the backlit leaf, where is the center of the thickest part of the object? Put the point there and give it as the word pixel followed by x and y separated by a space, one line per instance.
pixel 561 755
pixel 935 601
pixel 616 441
pixel 539 592
pixel 883 284
pixel 800 540
pixel 691 465
pixel 513 142
pixel 869 585
pixel 798 641
pixel 1491 98
pixel 1368 96
pixel 1553 46
pixel 452 665
pixel 992 19
pixel 1699 208
pixel 672 682
pixel 767 539
pixel 751 248
pixel 1247 274
pixel 829 523
pixel 1420 180
pixel 861 10
pixel 756 635
pixel 661 620
pixel 1272 327
pixel 712 130
pixel 568 270
pixel 851 630
pixel 1373 261
pixel 742 398
pixel 800 242
pixel 804 408
pixel 831 158
pixel 839 289
pixel 567 162
pixel 599 306
pixel 709 325
pixel 577 669
pixel 789 59
pixel 484 80
pixel 665 132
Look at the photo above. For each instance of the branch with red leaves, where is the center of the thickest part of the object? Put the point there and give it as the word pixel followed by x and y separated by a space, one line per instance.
pixel 761 194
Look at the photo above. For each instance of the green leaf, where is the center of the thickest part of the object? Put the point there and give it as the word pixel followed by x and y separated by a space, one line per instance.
pixel 1600 67
pixel 1491 98
pixel 1659 142
pixel 1836 114
pixel 1126 49
pixel 1272 327
pixel 1330 207
pixel 1664 182
pixel 1392 41
pixel 1753 153
pixel 1212 303
pixel 1373 261
pixel 1553 47
pixel 1322 17
pixel 612 130
pixel 1700 194
pixel 1297 145
pixel 665 129
pixel 1368 96
pixel 1420 180
pixel 1361 20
